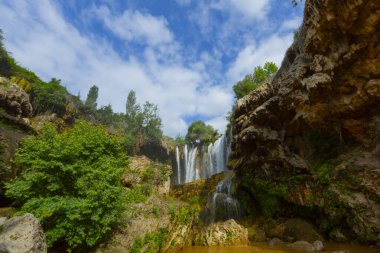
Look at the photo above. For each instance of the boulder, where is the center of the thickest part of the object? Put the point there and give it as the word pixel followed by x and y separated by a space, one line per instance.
pixel 227 233
pixel 306 246
pixel 296 230
pixel 22 234
pixel 14 100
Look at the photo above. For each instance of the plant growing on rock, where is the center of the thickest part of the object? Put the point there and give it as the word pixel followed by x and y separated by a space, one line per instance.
pixel 71 183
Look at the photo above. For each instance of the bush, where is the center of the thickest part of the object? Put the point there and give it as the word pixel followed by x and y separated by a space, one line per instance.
pixel 71 183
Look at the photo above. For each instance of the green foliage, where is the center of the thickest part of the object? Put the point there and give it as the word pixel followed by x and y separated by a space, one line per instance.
pixel 105 115
pixel 323 173
pixel 151 123
pixel 252 81
pixel 153 242
pixel 138 194
pixel 92 96
pixel 266 193
pixel 183 215
pixel 143 126
pixel 49 97
pixel 200 133
pixel 71 183
pixel 180 141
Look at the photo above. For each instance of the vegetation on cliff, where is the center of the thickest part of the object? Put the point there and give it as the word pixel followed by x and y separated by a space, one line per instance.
pixel 71 183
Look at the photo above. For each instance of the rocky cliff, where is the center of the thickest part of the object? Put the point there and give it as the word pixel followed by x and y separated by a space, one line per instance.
pixel 307 142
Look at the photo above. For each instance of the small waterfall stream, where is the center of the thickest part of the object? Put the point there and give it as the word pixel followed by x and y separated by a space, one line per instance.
pixel 199 162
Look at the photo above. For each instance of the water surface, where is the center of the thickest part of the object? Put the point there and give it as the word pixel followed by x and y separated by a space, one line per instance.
pixel 263 248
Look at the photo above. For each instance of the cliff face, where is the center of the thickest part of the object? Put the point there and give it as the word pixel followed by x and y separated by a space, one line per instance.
pixel 307 142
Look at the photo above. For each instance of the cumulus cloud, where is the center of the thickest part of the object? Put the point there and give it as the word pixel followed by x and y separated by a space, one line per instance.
pixel 270 49
pixel 42 39
pixel 51 46
pixel 133 25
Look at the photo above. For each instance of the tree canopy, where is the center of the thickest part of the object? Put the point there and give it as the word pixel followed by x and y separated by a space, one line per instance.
pixel 199 132
pixel 71 183
pixel 252 81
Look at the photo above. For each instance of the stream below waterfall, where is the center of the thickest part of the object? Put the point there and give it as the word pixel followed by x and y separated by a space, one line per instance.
pixel 264 248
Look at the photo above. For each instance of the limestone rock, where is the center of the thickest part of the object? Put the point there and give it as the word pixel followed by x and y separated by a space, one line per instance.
pixel 22 234
pixel 314 128
pixel 14 100
pixel 222 233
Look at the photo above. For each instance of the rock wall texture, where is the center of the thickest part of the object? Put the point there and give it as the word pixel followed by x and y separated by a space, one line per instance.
pixel 22 234
pixel 307 142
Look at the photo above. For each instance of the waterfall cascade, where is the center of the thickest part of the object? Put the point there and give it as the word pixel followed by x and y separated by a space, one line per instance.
pixel 221 205
pixel 198 162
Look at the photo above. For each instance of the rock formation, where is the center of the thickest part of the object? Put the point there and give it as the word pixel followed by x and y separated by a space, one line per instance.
pixel 22 234
pixel 307 142
pixel 227 233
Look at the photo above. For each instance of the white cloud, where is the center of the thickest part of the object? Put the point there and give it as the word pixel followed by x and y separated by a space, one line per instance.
pixel 291 24
pixel 218 123
pixel 52 47
pixel 253 9
pixel 271 49
pixel 134 25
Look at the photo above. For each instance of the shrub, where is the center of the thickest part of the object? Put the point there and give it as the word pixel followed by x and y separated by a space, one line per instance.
pixel 71 183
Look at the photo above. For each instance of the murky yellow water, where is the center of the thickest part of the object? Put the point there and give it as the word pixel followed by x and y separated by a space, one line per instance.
pixel 262 248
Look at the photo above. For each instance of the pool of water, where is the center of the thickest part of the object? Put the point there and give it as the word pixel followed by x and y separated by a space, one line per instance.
pixel 263 248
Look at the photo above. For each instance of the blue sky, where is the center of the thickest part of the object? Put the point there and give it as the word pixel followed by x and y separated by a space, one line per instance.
pixel 183 55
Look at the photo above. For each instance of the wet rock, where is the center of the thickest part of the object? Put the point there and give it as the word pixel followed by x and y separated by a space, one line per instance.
pixel 255 234
pixel 22 234
pixel 227 233
pixel 274 242
pixel 318 246
pixel 296 230
pixel 338 236
pixel 303 246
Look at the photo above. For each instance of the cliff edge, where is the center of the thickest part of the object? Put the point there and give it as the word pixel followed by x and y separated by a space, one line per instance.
pixel 307 142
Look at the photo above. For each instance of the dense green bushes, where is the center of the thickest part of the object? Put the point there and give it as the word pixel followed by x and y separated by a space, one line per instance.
pixel 71 182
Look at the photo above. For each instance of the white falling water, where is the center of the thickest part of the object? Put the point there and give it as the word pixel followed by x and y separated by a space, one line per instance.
pixel 221 205
pixel 200 162
pixel 178 165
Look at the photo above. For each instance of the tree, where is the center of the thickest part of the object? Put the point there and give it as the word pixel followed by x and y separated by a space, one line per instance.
pixel 200 133
pixel 151 123
pixel 252 81
pixel 105 115
pixel 92 96
pixel 71 183
pixel 49 97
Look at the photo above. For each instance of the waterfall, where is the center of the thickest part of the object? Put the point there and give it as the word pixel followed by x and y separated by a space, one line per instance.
pixel 221 205
pixel 178 165
pixel 201 162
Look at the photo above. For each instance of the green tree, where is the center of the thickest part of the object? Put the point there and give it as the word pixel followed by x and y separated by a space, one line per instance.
pixel 252 81
pixel 49 97
pixel 199 132
pixel 105 115
pixel 92 96
pixel 71 183
pixel 151 123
